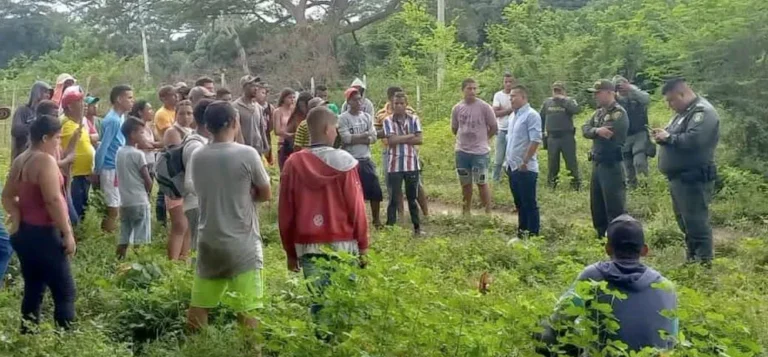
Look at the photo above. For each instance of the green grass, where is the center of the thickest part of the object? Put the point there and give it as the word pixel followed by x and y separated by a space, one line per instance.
pixel 419 297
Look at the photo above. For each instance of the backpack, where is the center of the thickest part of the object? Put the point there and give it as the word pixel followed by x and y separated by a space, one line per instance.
pixel 169 168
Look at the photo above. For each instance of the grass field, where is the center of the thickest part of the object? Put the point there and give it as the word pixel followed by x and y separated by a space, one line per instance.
pixel 419 297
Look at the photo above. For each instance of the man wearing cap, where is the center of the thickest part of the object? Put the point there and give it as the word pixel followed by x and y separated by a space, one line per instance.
pixel 94 122
pixel 557 114
pixel 198 93
pixel 251 122
pixel 650 298
pixel 73 124
pixel 357 134
pixel 607 128
pixel 636 149
pixel 366 105
pixel 687 158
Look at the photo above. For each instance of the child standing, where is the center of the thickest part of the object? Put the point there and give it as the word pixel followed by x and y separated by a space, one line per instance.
pixel 403 132
pixel 135 184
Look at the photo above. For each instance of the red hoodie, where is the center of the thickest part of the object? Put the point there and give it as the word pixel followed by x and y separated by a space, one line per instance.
pixel 321 200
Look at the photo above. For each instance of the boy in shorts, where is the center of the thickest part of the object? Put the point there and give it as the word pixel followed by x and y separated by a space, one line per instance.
pixel 357 134
pixel 135 184
pixel 228 178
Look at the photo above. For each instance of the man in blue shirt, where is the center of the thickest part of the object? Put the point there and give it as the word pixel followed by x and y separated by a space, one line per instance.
pixel 112 139
pixel 523 140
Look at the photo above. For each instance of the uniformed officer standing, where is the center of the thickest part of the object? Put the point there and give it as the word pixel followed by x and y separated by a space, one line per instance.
pixel 687 158
pixel 607 129
pixel 635 102
pixel 557 119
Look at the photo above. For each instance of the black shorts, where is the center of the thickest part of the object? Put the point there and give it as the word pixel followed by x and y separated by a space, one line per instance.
pixel 369 180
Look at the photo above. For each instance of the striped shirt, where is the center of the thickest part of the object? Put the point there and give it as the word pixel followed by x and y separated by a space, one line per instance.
pixel 402 157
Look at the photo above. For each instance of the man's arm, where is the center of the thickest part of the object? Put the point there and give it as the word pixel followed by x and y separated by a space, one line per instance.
pixel 110 128
pixel 497 109
pixel 543 114
pixel 260 179
pixel 147 179
pixel 639 95
pixel 699 132
pixel 186 158
pixel 21 121
pixel 588 130
pixel 534 135
pixel 619 126
pixel 286 216
pixel 490 122
pixel 353 195
pixel 455 120
pixel 571 106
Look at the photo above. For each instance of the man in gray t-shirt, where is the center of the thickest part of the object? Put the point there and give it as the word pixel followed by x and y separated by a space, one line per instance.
pixel 228 178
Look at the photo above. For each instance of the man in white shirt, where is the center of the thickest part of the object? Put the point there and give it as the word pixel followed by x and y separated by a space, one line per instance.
pixel 502 107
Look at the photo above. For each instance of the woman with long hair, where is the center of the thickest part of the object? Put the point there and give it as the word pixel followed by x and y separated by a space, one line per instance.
pixel 280 117
pixel 179 240
pixel 41 233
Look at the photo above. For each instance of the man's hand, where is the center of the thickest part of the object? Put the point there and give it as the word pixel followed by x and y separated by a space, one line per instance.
pixel 95 180
pixel 293 265
pixel 605 133
pixel 625 86
pixel 660 135
pixel 69 245
pixel 523 167
pixel 363 259
pixel 14 223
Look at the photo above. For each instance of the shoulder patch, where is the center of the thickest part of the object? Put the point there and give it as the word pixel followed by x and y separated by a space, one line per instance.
pixel 698 117
pixel 617 115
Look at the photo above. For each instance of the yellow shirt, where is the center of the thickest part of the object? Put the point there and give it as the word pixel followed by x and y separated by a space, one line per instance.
pixel 84 151
pixel 164 119
pixel 302 135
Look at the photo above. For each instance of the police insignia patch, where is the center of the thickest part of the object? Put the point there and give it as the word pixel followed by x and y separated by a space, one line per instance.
pixel 698 117
pixel 616 115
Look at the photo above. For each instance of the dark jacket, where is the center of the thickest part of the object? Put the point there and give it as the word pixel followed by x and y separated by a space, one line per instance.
pixel 636 105
pixel 23 118
pixel 648 295
pixel 557 115
pixel 694 135
pixel 615 118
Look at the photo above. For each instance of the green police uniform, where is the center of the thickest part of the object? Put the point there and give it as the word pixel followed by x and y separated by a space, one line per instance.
pixel 687 159
pixel 557 119
pixel 607 189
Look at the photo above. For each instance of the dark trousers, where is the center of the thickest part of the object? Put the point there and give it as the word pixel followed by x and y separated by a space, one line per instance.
pixel 81 186
pixel 690 201
pixel 160 212
pixel 523 187
pixel 283 152
pixel 562 145
pixel 607 195
pixel 40 250
pixel 395 181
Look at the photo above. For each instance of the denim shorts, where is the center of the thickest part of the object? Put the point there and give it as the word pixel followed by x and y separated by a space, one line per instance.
pixel 135 225
pixel 472 168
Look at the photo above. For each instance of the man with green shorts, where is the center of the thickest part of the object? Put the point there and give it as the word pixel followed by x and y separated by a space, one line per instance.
pixel 228 178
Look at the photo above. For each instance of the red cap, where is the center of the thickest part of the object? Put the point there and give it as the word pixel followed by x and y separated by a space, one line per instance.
pixel 70 96
pixel 349 92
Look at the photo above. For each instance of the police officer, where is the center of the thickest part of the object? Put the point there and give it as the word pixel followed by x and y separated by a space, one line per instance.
pixel 557 120
pixel 607 128
pixel 635 102
pixel 686 157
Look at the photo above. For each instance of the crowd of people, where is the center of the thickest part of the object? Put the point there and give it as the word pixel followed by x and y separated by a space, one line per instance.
pixel 207 152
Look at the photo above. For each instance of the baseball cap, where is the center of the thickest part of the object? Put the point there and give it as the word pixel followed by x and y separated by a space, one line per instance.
pixel 198 93
pixel 558 85
pixel 625 234
pixel 89 99
pixel 316 102
pixel 349 92
pixel 602 85
pixel 71 96
pixel 180 85
pixel 248 79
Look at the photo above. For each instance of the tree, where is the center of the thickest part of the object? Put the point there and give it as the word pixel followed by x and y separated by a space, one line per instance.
pixel 30 29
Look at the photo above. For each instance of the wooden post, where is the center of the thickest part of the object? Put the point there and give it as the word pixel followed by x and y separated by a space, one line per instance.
pixel 441 54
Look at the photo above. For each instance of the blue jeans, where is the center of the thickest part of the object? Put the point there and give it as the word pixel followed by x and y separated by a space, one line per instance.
pixel 501 153
pixel 472 168
pixel 80 188
pixel 523 187
pixel 6 251
pixel 73 218
pixel 319 278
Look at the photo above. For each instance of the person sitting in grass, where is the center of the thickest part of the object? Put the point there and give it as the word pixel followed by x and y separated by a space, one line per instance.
pixel 228 178
pixel 649 297
pixel 135 187
pixel 321 203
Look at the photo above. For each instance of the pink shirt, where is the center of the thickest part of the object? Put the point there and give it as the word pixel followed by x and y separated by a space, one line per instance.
pixel 472 122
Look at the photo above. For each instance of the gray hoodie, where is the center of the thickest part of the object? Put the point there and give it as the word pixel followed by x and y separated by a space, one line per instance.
pixel 24 116
pixel 639 315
